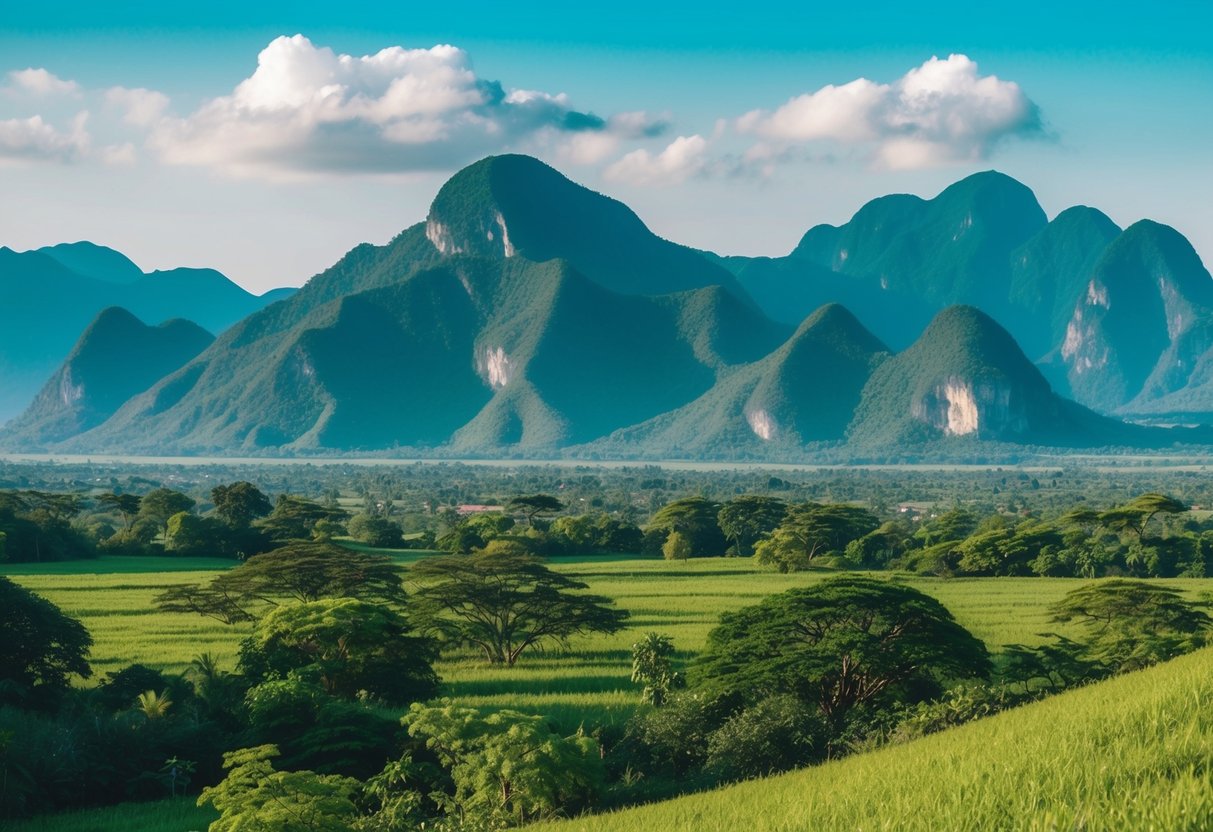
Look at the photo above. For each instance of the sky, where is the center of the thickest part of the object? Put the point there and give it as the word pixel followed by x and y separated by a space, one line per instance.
pixel 265 140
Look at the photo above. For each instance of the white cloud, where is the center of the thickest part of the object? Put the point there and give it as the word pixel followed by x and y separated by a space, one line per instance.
pixel 40 82
pixel 683 158
pixel 34 140
pixel 937 113
pixel 307 109
pixel 140 107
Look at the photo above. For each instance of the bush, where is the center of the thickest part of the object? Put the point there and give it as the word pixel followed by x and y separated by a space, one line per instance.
pixel 776 734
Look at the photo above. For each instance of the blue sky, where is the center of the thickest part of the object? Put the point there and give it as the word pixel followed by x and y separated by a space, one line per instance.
pixel 733 127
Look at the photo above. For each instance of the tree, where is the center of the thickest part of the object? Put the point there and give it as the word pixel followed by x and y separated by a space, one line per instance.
pixel 676 547
pixel 256 798
pixel 298 572
pixel 240 503
pixel 374 530
pixel 534 505
pixel 347 645
pixel 841 644
pixel 746 520
pixel 40 647
pixel 653 668
pixel 1132 624
pixel 294 518
pixel 694 517
pixel 189 534
pixel 505 603
pixel 163 503
pixel 1135 515
pixel 126 505
pixel 508 767
pixel 810 530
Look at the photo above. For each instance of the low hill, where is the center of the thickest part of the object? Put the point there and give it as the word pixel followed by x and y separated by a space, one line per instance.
pixel 1135 752
pixel 116 357
pixel 966 376
pixel 803 392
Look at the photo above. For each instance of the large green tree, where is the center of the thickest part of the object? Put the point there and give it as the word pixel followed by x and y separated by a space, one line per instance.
pixel 347 645
pixel 1131 624
pixel 254 797
pixel 505 603
pixel 696 519
pixel 840 644
pixel 297 572
pixel 240 503
pixel 746 520
pixel 40 646
pixel 533 506
pixel 810 530
pixel 508 768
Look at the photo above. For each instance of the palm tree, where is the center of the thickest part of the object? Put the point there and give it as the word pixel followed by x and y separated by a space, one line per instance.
pixel 154 705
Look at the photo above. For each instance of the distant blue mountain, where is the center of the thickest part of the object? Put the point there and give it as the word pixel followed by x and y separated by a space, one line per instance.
pixel 48 297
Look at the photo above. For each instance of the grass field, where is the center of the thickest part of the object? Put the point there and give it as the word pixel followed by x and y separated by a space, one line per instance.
pixel 1134 753
pixel 588 683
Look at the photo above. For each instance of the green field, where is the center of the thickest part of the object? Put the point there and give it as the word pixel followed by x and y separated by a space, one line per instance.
pixel 1133 753
pixel 588 683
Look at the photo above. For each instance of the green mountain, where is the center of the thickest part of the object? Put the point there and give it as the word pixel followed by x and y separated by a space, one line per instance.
pixel 516 206
pixel 117 357
pixel 966 377
pixel 803 392
pixel 900 258
pixel 484 353
pixel 528 315
pixel 1142 324
pixel 48 297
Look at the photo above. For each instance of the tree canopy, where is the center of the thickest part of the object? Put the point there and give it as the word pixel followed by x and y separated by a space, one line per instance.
pixel 505 603
pixel 240 503
pixel 810 530
pixel 347 645
pixel 746 520
pixel 695 518
pixel 40 646
pixel 840 644
pixel 296 572
pixel 1132 624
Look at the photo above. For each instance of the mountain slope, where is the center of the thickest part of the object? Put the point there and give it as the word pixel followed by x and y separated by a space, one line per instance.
pixel 1138 330
pixel 902 258
pixel 116 357
pixel 48 297
pixel 488 354
pixel 516 206
pixel 803 392
pixel 966 377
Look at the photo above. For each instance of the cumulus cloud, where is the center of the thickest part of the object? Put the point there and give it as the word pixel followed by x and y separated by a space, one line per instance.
pixel 683 158
pixel 40 82
pixel 307 109
pixel 35 140
pixel 941 112
pixel 140 107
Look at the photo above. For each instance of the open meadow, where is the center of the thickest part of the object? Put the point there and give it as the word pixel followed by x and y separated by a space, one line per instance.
pixel 586 683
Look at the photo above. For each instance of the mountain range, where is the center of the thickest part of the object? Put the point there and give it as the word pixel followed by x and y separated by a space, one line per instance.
pixel 49 295
pixel 528 315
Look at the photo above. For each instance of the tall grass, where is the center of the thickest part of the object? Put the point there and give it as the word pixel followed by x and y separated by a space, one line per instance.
pixel 176 815
pixel 1134 753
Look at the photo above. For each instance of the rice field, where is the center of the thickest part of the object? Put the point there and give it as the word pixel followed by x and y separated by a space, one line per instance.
pixel 587 682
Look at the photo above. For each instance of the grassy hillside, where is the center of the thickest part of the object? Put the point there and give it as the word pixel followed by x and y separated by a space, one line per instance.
pixel 1133 753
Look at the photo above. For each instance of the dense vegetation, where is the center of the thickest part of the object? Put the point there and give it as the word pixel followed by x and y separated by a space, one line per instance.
pixel 342 691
